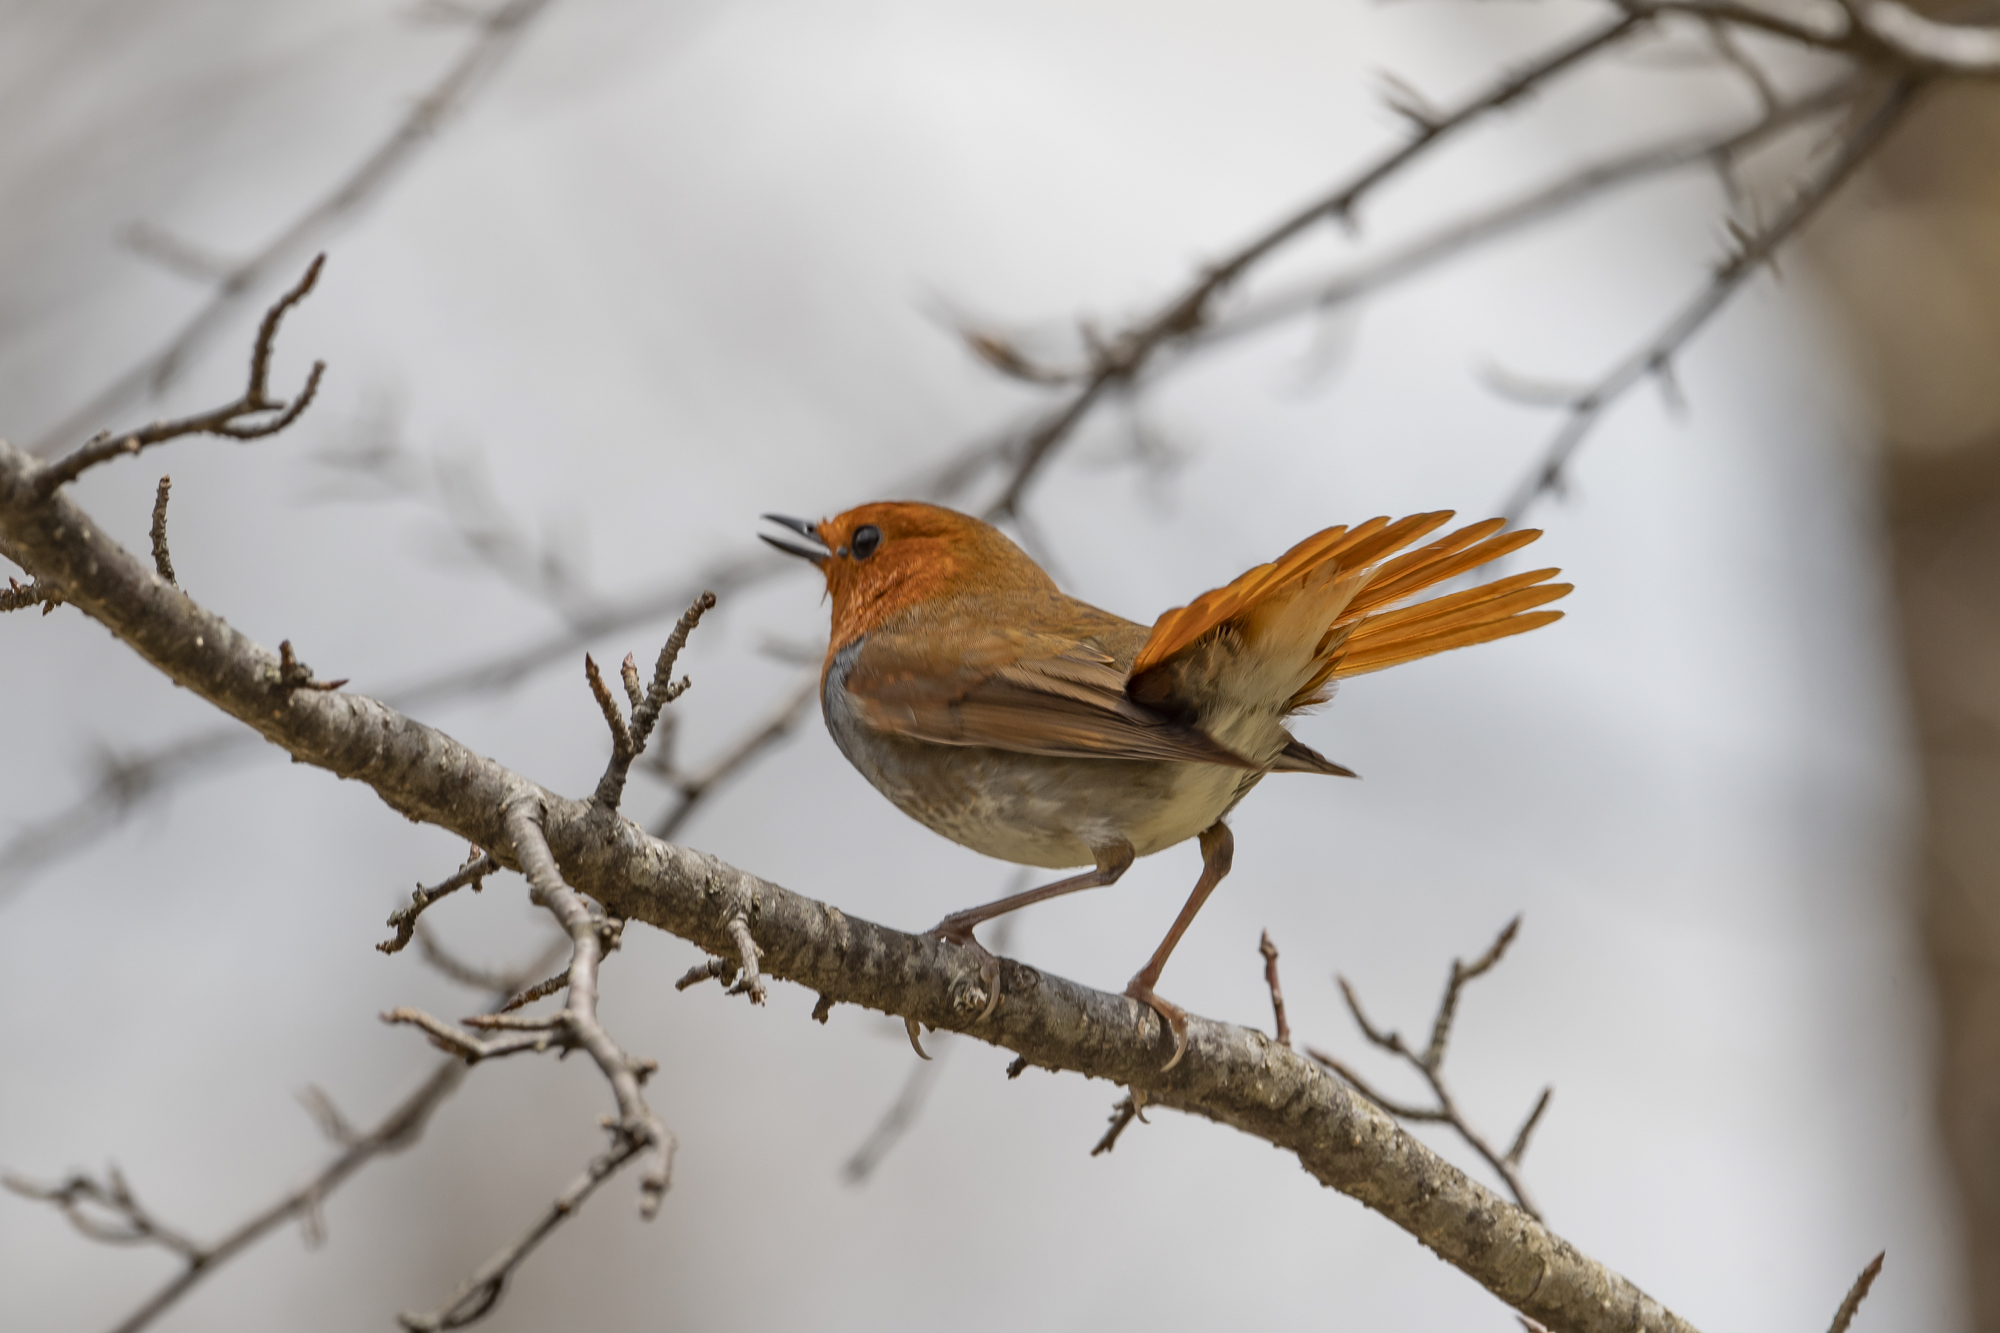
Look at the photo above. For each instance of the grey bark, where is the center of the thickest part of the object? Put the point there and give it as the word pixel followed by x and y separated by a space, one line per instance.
pixel 1232 1075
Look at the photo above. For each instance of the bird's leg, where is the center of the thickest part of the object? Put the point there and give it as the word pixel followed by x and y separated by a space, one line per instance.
pixel 1113 860
pixel 1218 848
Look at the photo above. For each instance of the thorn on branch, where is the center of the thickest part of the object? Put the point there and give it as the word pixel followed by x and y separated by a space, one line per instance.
pixel 1270 952
pixel 35 592
pixel 404 920
pixel 296 675
pixel 163 562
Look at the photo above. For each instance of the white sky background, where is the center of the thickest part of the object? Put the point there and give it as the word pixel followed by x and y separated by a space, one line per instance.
pixel 682 266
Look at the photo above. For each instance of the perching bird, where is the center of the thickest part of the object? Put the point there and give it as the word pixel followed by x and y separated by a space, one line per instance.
pixel 1025 724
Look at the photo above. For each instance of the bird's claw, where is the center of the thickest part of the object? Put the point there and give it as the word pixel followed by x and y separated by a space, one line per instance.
pixel 1170 1013
pixel 910 1026
pixel 949 931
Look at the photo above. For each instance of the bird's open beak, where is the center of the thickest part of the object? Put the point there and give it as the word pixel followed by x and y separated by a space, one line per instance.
pixel 812 548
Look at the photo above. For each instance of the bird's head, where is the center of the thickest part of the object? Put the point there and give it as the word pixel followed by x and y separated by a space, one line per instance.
pixel 886 558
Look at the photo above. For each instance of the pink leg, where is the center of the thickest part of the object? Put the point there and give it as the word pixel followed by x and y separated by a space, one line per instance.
pixel 1112 863
pixel 1218 849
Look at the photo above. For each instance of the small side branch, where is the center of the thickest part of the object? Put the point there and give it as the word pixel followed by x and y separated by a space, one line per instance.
pixel 1270 952
pixel 1118 361
pixel 637 1133
pixel 747 972
pixel 108 1211
pixel 1753 251
pixel 404 920
pixel 1123 1114
pixel 479 1294
pixel 628 743
pixel 36 592
pixel 163 562
pixel 252 416
pixel 1430 1064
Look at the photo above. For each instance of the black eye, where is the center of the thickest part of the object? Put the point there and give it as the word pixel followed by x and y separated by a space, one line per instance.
pixel 866 538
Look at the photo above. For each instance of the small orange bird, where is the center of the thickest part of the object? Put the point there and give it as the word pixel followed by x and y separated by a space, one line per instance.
pixel 1025 724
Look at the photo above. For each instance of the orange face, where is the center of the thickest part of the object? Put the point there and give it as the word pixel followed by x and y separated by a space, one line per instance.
pixel 883 558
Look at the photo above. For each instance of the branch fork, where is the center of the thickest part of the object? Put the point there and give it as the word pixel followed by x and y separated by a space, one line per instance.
pixel 1430 1064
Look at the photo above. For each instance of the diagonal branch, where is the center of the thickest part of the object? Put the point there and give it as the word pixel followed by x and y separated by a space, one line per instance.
pixel 1118 360
pixel 1430 1064
pixel 228 419
pixel 1753 251
pixel 1231 1075
pixel 494 38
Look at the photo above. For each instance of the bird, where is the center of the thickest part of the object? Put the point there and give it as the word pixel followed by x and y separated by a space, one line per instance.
pixel 1016 720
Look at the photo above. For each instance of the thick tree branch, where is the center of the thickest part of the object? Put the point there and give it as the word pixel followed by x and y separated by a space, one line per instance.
pixel 1231 1075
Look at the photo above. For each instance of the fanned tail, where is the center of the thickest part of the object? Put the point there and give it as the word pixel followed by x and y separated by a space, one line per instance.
pixel 1369 631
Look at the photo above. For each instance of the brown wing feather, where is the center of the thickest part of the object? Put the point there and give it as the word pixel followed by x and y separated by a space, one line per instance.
pixel 1069 702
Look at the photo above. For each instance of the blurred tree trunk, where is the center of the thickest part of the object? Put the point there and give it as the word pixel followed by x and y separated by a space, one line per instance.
pixel 1916 264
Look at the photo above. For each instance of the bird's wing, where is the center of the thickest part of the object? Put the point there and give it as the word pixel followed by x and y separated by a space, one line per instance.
pixel 1029 693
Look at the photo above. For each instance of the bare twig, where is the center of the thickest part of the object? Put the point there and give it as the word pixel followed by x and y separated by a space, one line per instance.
pixel 35 592
pixel 1430 1064
pixel 229 419
pixel 480 1293
pixel 400 1128
pixel 1121 358
pixel 108 1211
pixel 751 981
pixel 637 1133
pixel 1707 151
pixel 1123 1114
pixel 163 561
pixel 1856 1294
pixel 629 745
pixel 742 977
pixel 1753 251
pixel 495 36
pixel 1270 952
pixel 404 920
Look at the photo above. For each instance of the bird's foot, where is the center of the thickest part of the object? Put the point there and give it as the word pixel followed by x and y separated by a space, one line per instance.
pixel 954 929
pixel 1170 1013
